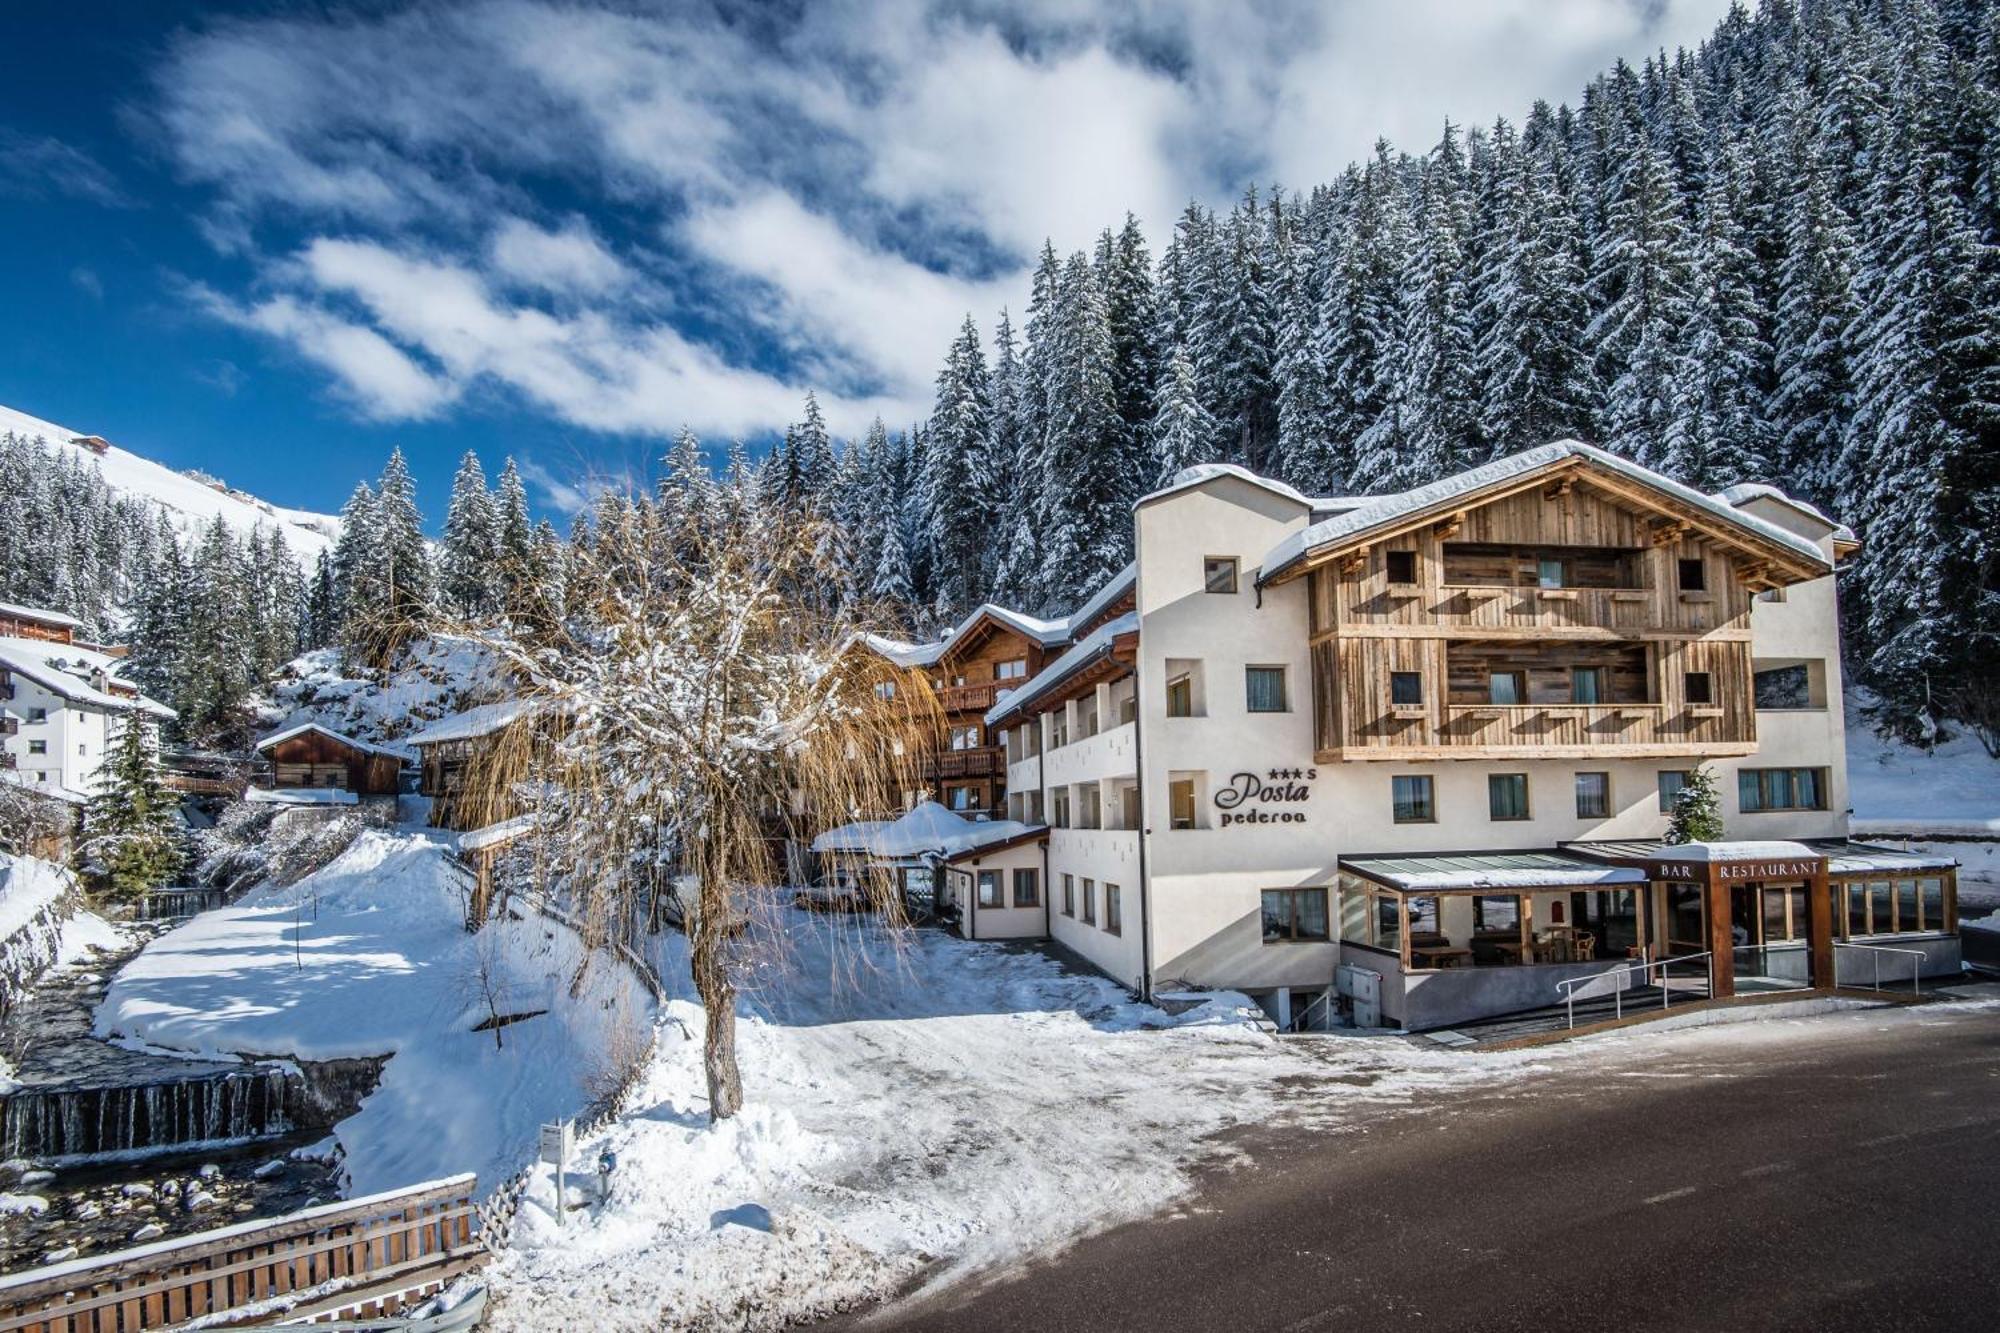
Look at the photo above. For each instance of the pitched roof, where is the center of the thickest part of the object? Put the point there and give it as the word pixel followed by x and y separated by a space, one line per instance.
pixel 1093 646
pixel 1189 477
pixel 472 723
pixel 277 737
pixel 37 613
pixel 66 669
pixel 1745 491
pixel 1454 491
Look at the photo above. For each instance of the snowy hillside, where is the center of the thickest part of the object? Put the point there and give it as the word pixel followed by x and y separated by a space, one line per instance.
pixel 190 503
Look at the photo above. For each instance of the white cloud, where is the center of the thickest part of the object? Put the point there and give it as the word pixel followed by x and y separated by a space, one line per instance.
pixel 822 195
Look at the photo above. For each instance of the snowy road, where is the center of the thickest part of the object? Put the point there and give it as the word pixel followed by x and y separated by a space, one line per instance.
pixel 1826 1174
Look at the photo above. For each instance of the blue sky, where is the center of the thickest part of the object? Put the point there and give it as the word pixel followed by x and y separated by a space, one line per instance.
pixel 273 241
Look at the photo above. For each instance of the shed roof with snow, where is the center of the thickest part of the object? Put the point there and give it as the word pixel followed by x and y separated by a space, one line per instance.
pixel 928 830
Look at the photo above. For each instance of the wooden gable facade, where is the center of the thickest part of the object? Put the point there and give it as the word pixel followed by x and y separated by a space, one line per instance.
pixel 1576 613
pixel 967 771
pixel 317 758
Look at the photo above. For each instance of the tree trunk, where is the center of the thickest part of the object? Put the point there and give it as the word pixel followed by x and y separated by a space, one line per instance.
pixel 709 959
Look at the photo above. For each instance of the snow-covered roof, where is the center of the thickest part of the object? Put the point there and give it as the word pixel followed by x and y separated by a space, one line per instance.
pixel 927 830
pixel 278 737
pixel 37 613
pixel 66 669
pixel 1114 587
pixel 54 791
pixel 1094 645
pixel 301 796
pixel 1483 870
pixel 1697 853
pixel 472 723
pixel 1745 491
pixel 495 835
pixel 1391 509
pixel 1190 477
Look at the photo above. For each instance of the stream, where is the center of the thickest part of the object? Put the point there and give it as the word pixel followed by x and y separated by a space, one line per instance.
pixel 102 1146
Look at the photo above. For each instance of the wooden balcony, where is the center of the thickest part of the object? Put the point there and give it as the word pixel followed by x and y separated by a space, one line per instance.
pixel 967 698
pixel 984 761
pixel 1548 731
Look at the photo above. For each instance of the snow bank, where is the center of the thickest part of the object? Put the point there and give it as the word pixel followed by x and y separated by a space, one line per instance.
pixel 1897 789
pixel 368 957
pixel 928 1110
pixel 43 924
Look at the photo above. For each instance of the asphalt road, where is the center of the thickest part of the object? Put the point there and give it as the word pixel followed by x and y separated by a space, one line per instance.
pixel 1844 1178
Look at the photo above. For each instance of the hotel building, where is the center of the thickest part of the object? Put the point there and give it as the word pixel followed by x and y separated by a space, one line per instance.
pixel 1422 748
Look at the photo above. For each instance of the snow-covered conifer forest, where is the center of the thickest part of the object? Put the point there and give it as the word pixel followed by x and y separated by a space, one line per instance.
pixel 1772 258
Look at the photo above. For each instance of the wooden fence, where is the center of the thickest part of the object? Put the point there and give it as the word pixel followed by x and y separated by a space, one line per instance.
pixel 358 1259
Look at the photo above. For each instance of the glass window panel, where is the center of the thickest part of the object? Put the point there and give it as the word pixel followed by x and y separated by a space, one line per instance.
pixel 1114 910
pixel 1090 902
pixel 1593 795
pixel 1775 927
pixel 1412 797
pixel 1388 922
pixel 1857 909
pixel 1672 780
pixel 1930 893
pixel 989 889
pixel 1180 697
pixel 1906 904
pixel 1219 574
pixel 1423 916
pixel 1265 687
pixel 1027 888
pixel 1311 913
pixel 1497 914
pixel 1587 685
pixel 1880 915
pixel 1353 913
pixel 1549 573
pixel 1507 795
pixel 1406 687
pixel 1503 687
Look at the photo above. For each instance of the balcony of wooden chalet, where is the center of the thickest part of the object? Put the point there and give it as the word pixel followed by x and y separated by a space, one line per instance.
pixel 974 698
pixel 1574 611
pixel 980 761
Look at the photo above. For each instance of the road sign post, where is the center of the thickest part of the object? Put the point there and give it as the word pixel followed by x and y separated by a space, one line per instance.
pixel 558 1142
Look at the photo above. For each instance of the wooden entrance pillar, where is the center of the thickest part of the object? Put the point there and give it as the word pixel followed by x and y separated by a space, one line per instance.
pixel 1715 893
pixel 1819 929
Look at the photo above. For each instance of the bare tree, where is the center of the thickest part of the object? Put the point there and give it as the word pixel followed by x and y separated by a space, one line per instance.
pixel 704 705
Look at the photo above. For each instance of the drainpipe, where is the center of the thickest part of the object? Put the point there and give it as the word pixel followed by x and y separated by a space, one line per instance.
pixel 1145 888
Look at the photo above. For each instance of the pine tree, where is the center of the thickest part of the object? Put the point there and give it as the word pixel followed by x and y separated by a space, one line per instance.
pixel 521 575
pixel 1183 433
pixel 405 561
pixel 469 563
pixel 1085 525
pixel 1697 813
pixel 131 837
pixel 957 473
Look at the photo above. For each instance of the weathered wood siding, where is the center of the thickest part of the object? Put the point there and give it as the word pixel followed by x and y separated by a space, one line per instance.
pixel 304 760
pixel 1464 614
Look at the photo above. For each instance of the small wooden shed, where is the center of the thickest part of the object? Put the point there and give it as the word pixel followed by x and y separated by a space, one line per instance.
pixel 310 755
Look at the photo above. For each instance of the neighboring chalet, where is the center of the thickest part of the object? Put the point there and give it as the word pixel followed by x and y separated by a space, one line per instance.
pixel 61 704
pixel 1415 754
pixel 991 652
pixel 983 877
pixel 449 752
pixel 316 765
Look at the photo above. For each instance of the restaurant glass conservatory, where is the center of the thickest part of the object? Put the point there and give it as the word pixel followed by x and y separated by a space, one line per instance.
pixel 1463 936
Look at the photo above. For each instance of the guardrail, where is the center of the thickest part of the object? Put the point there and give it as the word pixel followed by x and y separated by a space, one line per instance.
pixel 364 1257
pixel 1916 956
pixel 1569 985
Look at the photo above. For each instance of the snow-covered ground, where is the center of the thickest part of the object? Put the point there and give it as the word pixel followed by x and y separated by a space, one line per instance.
pixel 190 504
pixel 368 957
pixel 910 1102
pixel 438 677
pixel 1944 801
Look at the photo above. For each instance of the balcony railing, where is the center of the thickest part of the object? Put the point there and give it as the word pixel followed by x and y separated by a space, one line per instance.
pixel 982 761
pixel 965 698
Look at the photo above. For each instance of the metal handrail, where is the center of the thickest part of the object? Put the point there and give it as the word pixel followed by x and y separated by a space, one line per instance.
pixel 1569 984
pixel 1916 966
pixel 1326 997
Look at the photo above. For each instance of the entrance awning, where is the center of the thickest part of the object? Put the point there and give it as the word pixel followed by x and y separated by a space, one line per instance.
pixel 1707 862
pixel 1515 871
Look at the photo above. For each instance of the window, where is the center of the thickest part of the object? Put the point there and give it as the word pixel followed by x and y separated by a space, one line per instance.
pixel 1294 914
pixel 1780 688
pixel 38 747
pixel 1089 902
pixel 1586 685
pixel 1593 795
pixel 1264 687
pixel 38 715
pixel 1402 566
pixel 1114 913
pixel 1027 888
pixel 1548 573
pixel 1412 797
pixel 1784 914
pixel 1672 781
pixel 1759 789
pixel 1700 687
pixel 1061 795
pixel 966 737
pixel 1180 696
pixel 1507 795
pixel 1014 670
pixel 989 889
pixel 1504 687
pixel 960 798
pixel 1218 574
pixel 1693 576
pixel 1496 914
pixel 1069 895
pixel 1406 687
pixel 1180 803
pixel 885 690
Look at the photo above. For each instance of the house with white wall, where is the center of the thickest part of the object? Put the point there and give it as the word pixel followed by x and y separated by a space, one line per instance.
pixel 1435 737
pixel 61 705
